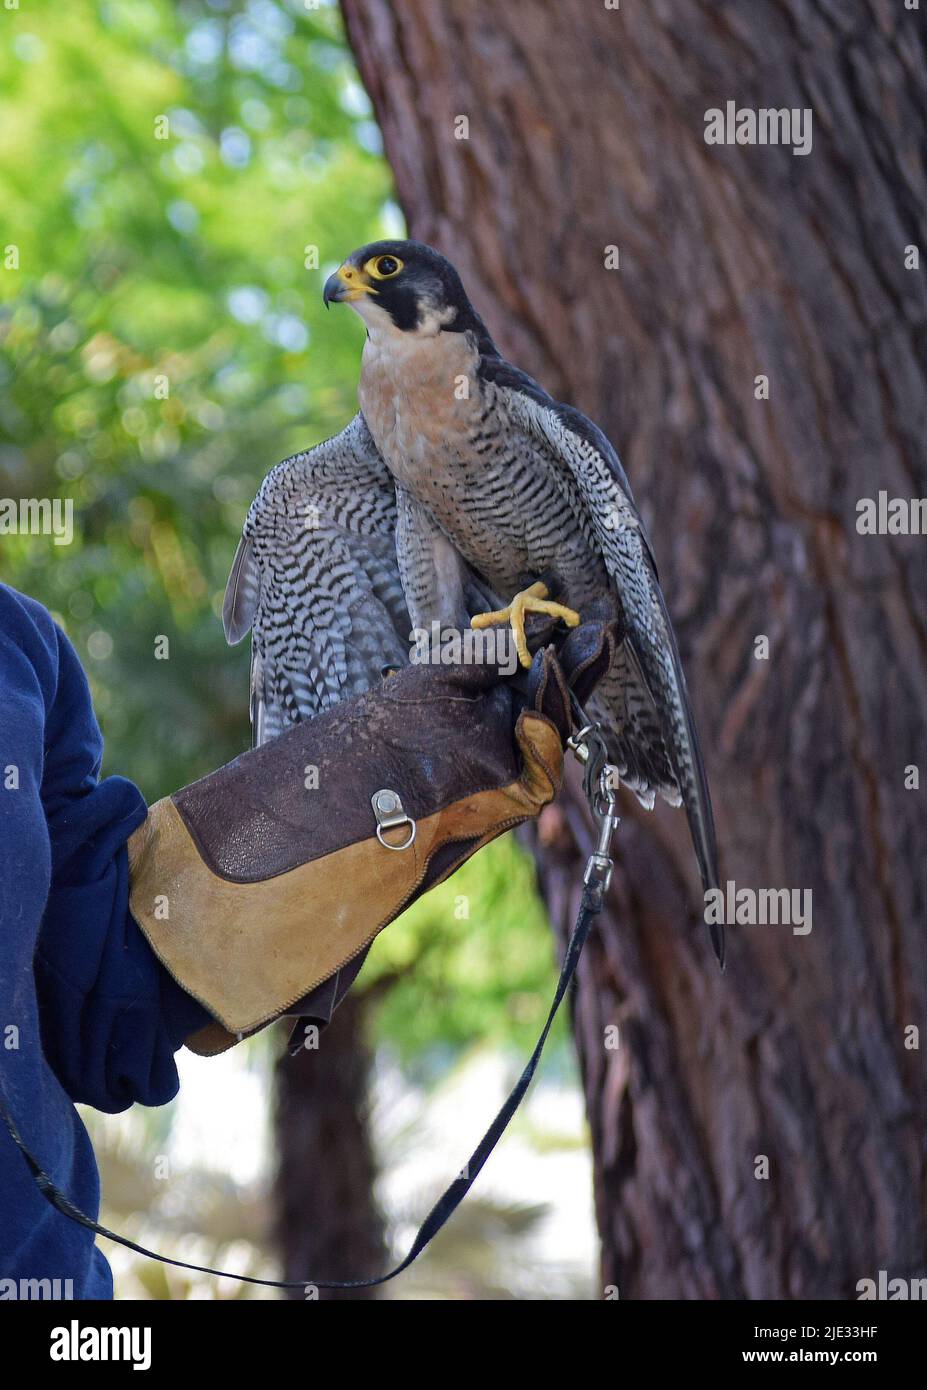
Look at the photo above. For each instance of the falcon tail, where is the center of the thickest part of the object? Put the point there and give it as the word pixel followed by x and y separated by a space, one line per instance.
pixel 697 801
pixel 686 755
pixel 645 707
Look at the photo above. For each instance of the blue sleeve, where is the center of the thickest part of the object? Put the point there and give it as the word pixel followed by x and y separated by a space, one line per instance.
pixel 111 1016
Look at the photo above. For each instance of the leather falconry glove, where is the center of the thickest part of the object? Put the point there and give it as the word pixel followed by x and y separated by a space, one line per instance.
pixel 261 886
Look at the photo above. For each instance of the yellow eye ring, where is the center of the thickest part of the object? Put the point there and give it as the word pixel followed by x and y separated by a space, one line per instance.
pixel 383 267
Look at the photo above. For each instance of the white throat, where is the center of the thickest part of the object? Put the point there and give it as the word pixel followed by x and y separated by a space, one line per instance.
pixel 380 325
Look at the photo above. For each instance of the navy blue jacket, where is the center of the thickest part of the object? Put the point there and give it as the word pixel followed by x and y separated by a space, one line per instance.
pixel 87 1013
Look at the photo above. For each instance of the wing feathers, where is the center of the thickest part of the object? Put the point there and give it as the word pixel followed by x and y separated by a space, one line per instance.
pixel 317 579
pixel 241 594
pixel 653 729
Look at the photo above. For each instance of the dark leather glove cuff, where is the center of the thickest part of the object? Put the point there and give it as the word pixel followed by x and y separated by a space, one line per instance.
pixel 261 881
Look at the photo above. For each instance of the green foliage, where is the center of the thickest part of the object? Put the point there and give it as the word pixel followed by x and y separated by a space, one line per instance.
pixel 177 264
pixel 162 345
pixel 471 960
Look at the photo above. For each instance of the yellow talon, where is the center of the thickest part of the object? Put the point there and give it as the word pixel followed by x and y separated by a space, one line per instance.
pixel 532 600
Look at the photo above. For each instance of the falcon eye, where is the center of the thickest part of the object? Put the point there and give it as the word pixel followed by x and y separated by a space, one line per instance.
pixel 383 267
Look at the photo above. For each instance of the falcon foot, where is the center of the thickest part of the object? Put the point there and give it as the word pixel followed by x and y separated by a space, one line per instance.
pixel 532 600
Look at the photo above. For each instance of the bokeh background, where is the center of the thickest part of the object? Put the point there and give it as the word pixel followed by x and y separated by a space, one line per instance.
pixel 199 259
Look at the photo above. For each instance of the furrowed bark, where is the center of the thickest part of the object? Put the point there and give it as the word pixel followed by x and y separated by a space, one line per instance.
pixel 586 131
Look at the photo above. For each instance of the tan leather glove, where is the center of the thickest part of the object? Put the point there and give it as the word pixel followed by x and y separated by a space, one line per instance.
pixel 265 882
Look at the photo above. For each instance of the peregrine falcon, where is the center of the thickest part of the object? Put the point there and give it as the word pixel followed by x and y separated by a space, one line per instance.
pixel 457 487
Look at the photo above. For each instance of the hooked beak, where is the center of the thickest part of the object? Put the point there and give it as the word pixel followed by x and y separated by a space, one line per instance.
pixel 345 284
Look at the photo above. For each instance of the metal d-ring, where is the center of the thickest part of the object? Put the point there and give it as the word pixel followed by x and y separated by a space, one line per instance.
pixel 388 809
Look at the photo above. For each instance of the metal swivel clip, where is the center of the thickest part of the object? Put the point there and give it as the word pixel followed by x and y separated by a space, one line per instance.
pixel 600 784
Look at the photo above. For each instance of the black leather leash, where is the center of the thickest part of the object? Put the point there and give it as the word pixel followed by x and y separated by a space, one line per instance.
pixel 600 791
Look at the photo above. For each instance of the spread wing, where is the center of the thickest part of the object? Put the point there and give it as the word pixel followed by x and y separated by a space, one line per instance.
pixel 316 580
pixel 646 699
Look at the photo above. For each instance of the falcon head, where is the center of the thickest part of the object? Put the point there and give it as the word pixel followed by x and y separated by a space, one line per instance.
pixel 405 287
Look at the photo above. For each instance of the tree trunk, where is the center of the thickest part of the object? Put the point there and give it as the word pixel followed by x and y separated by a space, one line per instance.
pixel 586 131
pixel 328 1224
